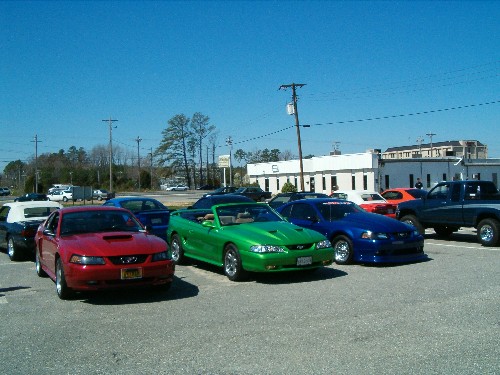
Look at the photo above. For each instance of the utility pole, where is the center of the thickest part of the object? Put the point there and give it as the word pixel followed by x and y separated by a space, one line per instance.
pixel 431 135
pixel 110 122
pixel 296 113
pixel 419 141
pixel 36 162
pixel 138 140
pixel 229 142
pixel 151 154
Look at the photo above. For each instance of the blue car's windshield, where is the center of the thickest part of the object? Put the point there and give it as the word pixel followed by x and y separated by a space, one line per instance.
pixel 246 213
pixel 332 211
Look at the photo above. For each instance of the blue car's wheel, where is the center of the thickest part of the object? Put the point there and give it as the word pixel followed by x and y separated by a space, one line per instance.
pixel 342 246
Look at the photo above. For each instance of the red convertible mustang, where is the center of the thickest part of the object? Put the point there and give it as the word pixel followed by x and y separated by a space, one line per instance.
pixel 88 248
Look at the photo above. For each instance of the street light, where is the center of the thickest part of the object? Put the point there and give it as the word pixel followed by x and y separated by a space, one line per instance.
pixel 229 142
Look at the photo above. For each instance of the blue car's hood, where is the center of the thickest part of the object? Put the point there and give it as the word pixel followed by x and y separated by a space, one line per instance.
pixel 375 222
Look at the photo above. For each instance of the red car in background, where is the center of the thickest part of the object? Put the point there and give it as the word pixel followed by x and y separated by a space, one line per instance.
pixel 87 248
pixel 370 201
pixel 398 195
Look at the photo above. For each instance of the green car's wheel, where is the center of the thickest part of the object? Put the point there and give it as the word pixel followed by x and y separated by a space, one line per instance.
pixel 176 248
pixel 232 264
pixel 62 289
pixel 343 250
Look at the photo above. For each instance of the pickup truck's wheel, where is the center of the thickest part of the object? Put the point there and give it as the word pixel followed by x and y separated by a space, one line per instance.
pixel 444 231
pixel 488 232
pixel 232 264
pixel 412 220
pixel 65 199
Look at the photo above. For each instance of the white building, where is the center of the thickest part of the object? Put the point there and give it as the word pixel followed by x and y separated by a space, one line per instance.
pixel 368 171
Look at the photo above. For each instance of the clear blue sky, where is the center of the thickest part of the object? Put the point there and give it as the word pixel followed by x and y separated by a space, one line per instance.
pixel 66 66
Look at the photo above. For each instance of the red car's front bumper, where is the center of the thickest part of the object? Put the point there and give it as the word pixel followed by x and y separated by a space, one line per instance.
pixel 110 276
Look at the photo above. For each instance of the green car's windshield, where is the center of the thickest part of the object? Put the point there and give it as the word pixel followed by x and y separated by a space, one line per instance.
pixel 246 213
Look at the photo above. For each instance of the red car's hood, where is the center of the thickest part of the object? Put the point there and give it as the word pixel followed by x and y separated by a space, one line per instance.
pixel 113 244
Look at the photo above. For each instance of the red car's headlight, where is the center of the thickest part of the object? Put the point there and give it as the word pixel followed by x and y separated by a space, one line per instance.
pixel 84 260
pixel 161 256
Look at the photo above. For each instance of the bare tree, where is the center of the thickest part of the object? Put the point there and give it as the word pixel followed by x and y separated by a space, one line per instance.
pixel 201 129
pixel 172 150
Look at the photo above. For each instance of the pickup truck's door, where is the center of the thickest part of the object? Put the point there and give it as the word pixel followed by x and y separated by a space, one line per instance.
pixel 442 205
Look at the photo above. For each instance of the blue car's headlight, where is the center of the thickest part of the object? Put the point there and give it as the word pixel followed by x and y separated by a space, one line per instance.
pixel 161 256
pixel 266 249
pixel 83 260
pixel 323 244
pixel 416 233
pixel 369 235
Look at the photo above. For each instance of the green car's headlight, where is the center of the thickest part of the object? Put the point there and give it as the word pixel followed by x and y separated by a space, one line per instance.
pixel 266 249
pixel 323 244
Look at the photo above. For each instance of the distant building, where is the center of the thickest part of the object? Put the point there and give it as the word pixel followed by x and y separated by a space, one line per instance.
pixel 374 170
pixel 468 148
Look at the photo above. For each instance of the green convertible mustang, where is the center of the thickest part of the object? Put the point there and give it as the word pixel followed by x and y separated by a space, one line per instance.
pixel 245 237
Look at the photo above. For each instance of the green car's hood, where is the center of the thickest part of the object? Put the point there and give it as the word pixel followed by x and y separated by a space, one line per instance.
pixel 274 233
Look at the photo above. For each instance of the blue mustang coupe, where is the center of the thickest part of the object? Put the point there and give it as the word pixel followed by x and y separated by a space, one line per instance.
pixel 357 235
pixel 149 211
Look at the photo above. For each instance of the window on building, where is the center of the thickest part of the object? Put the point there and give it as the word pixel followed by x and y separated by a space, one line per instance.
pixel 334 183
pixel 266 184
pixel 428 181
pixel 412 180
pixel 323 183
pixel 387 182
pixel 353 182
pixel 312 184
pixel 444 176
pixel 278 184
pixel 365 182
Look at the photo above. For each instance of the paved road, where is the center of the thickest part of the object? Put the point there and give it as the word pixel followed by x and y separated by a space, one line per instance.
pixel 437 317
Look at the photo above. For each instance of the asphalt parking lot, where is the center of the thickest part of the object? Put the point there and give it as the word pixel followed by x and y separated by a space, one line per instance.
pixel 434 317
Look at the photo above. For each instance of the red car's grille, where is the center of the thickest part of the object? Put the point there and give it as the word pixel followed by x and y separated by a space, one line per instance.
pixel 128 259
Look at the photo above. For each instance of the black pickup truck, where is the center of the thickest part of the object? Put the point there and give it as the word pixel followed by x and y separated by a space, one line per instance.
pixel 454 204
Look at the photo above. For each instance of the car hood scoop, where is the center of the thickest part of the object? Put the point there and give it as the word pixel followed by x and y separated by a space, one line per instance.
pixel 117 237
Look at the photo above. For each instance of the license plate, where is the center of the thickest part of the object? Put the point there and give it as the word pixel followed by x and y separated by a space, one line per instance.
pixel 304 261
pixel 131 273
pixel 397 242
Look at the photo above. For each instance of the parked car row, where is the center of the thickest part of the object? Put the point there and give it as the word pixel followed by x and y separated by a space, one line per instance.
pixel 137 240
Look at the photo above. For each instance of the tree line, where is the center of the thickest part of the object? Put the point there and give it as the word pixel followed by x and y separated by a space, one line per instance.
pixel 187 152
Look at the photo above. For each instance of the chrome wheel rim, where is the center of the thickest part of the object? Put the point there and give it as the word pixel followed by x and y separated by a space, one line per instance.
pixel 10 248
pixel 486 233
pixel 37 263
pixel 230 263
pixel 58 279
pixel 175 251
pixel 341 251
